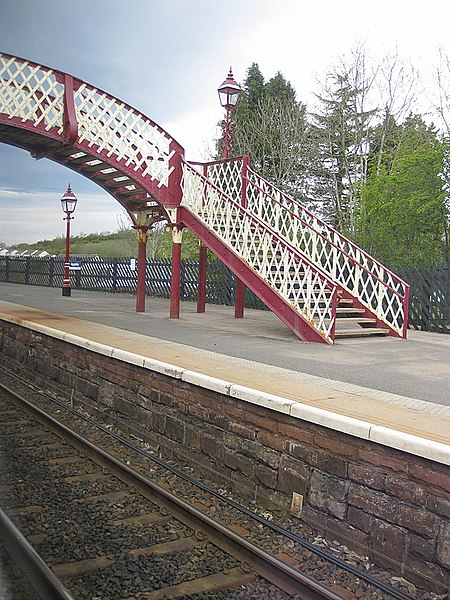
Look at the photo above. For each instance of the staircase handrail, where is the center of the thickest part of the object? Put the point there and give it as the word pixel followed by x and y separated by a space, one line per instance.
pixel 387 300
pixel 200 196
pixel 332 243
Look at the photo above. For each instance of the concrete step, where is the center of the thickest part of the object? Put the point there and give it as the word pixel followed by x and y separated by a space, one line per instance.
pixel 368 332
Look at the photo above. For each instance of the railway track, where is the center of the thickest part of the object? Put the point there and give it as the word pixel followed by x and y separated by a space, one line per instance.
pixel 108 531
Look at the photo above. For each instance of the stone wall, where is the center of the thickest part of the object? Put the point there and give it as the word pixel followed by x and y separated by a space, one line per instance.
pixel 395 504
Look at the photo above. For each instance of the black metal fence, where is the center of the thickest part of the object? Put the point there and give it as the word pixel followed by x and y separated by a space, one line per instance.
pixel 119 275
pixel 429 306
pixel 429 299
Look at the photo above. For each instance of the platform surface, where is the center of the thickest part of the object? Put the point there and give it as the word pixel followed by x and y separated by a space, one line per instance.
pixel 401 384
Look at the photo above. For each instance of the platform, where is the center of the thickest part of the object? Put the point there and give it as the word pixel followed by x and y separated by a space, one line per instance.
pixel 358 381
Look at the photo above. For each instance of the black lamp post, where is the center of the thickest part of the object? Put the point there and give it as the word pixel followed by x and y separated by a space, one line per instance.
pixel 229 93
pixel 68 203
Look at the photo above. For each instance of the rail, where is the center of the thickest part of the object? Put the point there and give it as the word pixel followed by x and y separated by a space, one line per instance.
pixel 270 255
pixel 377 288
pixel 268 566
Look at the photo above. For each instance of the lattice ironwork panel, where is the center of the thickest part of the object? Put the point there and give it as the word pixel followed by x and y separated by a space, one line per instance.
pixel 31 93
pixel 227 176
pixel 304 287
pixel 376 287
pixel 120 131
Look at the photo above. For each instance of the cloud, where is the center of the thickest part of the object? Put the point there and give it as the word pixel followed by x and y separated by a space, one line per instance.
pixel 33 216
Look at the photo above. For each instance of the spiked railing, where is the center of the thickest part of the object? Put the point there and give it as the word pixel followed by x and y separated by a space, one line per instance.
pixel 300 284
pixel 377 288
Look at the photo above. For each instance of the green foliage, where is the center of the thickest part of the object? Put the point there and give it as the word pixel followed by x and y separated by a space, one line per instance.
pixel 271 128
pixel 402 219
pixel 120 244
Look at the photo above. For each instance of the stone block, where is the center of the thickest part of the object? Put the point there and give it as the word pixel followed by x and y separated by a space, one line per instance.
pixel 428 576
pixel 304 452
pixel 237 462
pixel 360 519
pixel 266 476
pixel 367 476
pixel 443 546
pixel 242 430
pixel 439 506
pixel 293 476
pixel 212 447
pixel 422 548
pixel 328 494
pixel 174 429
pixel 270 439
pixel 434 476
pixel 387 459
pixel 331 464
pixel 406 490
pixel 389 541
pixel 373 502
pixel 417 520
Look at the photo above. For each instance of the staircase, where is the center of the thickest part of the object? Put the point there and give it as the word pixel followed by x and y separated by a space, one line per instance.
pixel 296 263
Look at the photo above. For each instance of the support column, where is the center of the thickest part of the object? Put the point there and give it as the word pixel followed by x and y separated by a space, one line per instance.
pixel 142 268
pixel 201 294
pixel 175 286
pixel 240 286
pixel 239 302
pixel 143 220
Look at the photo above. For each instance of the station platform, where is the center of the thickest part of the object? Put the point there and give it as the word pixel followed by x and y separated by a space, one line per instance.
pixel 397 387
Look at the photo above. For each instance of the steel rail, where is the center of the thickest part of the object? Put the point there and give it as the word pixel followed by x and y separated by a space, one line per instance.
pixel 41 577
pixel 322 553
pixel 261 562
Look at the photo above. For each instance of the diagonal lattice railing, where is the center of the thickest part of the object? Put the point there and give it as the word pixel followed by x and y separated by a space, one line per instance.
pixel 292 275
pixel 377 288
pixel 35 97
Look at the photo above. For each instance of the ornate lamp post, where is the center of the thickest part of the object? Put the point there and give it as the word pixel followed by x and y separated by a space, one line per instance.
pixel 68 203
pixel 229 93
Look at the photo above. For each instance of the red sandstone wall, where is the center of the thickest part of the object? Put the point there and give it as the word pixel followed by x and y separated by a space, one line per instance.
pixel 395 504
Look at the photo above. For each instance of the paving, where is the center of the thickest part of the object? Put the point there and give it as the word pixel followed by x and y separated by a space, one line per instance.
pixel 402 384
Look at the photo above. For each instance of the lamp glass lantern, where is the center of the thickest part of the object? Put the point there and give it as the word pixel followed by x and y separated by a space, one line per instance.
pixel 69 201
pixel 229 92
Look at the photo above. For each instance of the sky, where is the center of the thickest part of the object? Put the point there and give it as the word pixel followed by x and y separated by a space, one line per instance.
pixel 168 57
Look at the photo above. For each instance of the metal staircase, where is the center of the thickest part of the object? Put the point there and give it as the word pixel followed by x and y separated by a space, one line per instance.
pixel 281 248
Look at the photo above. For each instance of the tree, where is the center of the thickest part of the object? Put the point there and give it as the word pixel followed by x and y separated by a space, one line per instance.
pixel 342 128
pixel 402 217
pixel 359 107
pixel 272 128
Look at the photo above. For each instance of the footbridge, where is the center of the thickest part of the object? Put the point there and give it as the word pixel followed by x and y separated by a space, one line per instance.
pixel 305 271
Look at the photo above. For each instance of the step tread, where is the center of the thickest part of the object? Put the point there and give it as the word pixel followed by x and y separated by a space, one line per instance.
pixel 352 311
pixel 360 332
pixel 357 319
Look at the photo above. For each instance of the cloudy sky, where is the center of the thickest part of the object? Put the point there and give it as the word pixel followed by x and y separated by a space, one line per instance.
pixel 167 58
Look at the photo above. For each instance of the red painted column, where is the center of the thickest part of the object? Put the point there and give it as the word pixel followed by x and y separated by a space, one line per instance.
pixel 240 286
pixel 175 287
pixel 142 268
pixel 201 297
pixel 66 290
pixel 239 302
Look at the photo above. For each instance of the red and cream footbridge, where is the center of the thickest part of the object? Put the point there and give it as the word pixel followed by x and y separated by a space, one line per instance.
pixel 301 268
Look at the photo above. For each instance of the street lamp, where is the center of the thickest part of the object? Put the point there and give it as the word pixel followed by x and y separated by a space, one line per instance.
pixel 68 203
pixel 229 93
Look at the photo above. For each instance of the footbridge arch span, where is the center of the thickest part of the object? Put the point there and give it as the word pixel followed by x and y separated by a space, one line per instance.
pixel 54 115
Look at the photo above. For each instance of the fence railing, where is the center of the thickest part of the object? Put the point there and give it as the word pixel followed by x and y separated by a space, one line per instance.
pixel 299 282
pixel 372 284
pixel 429 306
